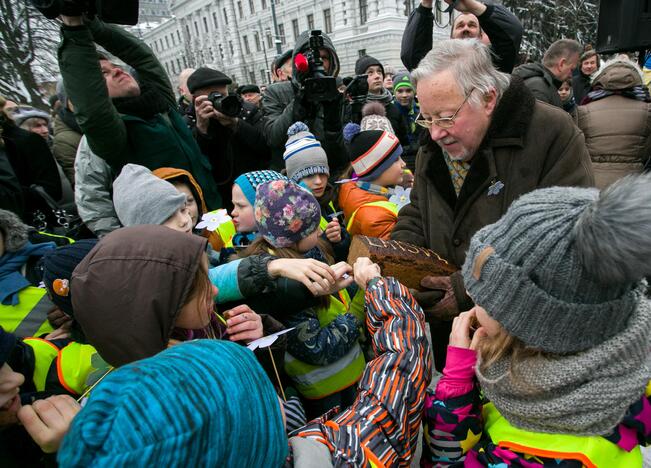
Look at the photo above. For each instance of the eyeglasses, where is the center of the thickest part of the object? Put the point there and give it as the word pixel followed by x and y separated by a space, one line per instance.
pixel 443 122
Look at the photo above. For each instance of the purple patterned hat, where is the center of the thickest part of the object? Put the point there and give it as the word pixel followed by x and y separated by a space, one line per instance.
pixel 285 213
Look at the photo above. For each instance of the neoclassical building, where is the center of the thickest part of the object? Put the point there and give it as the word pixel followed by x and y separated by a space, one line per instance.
pixel 239 37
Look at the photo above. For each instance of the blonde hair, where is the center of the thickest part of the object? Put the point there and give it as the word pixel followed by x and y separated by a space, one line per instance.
pixel 503 345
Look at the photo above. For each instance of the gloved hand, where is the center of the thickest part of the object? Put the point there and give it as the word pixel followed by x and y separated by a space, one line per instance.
pixel 302 110
pixel 332 115
pixel 440 298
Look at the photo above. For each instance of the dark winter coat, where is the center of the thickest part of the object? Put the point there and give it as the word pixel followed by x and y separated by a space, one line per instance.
pixel 541 82
pixel 278 108
pixel 580 86
pixel 528 145
pixel 65 142
pixel 233 152
pixel 500 25
pixel 11 194
pixel 163 140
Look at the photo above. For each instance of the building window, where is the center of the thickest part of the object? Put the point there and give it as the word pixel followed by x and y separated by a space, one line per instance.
pixel 239 9
pixel 178 63
pixel 196 28
pixel 167 67
pixel 361 53
pixel 205 24
pixel 225 16
pixel 264 4
pixel 230 46
pixel 252 77
pixel 187 31
pixel 173 68
pixel 178 35
pixel 270 42
pixel 167 42
pixel 214 19
pixel 363 11
pixel 407 4
pixel 281 33
pixel 256 39
pixel 263 76
pixel 295 29
pixel 221 51
pixel 327 20
pixel 246 44
pixel 251 6
pixel 310 22
pixel 172 36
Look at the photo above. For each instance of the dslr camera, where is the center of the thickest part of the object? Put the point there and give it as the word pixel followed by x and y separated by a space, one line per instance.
pixel 318 86
pixel 109 11
pixel 229 105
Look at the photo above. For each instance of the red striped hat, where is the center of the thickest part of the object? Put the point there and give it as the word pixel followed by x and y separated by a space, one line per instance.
pixel 372 152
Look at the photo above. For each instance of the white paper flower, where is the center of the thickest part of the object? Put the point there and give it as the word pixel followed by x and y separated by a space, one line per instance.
pixel 400 196
pixel 214 219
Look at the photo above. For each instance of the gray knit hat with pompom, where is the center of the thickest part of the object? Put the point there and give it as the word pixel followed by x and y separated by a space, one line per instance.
pixel 563 269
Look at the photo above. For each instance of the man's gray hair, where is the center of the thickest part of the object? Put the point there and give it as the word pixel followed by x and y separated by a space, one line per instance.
pixel 563 48
pixel 471 65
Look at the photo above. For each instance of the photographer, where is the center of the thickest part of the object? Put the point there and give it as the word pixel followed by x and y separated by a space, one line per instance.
pixel 229 130
pixel 286 102
pixel 123 120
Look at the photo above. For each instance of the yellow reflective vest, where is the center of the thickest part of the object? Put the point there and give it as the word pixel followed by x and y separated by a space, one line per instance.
pixel 592 451
pixel 387 205
pixel 29 316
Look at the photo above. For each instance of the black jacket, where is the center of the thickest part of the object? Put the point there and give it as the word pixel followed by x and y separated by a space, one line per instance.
pixel 580 86
pixel 541 82
pixel 234 152
pixel 11 195
pixel 500 25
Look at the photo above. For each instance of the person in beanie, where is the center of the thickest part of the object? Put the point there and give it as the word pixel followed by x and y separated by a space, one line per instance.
pixel 374 72
pixel 307 164
pixel 376 168
pixel 251 94
pixel 324 357
pixel 383 421
pixel 405 102
pixel 235 143
pixel 562 332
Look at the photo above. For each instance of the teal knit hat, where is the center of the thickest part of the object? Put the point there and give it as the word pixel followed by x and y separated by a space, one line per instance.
pixel 201 403
pixel 249 181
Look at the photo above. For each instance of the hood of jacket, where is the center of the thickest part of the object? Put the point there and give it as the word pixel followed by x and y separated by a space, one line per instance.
pixel 536 69
pixel 617 74
pixel 170 174
pixel 130 288
pixel 302 43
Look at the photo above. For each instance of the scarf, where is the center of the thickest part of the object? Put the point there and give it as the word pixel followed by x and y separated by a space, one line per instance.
pixel 385 98
pixel 149 103
pixel 639 93
pixel 11 280
pixel 586 393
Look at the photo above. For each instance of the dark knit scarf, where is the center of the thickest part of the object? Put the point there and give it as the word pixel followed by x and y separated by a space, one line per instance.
pixel 149 103
pixel 639 93
pixel 68 118
pixel 385 97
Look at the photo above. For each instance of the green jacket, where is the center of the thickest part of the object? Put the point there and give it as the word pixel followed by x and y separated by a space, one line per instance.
pixel 163 141
pixel 64 147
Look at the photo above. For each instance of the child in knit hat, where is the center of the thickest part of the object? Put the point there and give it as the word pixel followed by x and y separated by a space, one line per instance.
pixel 324 358
pixel 561 350
pixel 376 170
pixel 307 164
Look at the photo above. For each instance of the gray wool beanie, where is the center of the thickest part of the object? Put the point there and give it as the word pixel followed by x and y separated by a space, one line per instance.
pixel 304 156
pixel 562 270
pixel 140 197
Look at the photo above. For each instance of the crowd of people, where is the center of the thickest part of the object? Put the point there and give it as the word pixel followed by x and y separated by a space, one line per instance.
pixel 174 277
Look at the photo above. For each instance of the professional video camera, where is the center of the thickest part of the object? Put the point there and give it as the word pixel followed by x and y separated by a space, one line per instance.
pixel 317 85
pixel 229 105
pixel 110 11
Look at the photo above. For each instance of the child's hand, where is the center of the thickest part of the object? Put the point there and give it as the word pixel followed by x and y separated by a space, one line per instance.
pixel 316 276
pixel 333 231
pixel 365 270
pixel 10 383
pixel 463 334
pixel 344 273
pixel 47 421
pixel 243 324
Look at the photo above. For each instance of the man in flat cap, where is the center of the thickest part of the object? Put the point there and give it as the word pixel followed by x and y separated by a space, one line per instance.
pixel 232 137
pixel 251 94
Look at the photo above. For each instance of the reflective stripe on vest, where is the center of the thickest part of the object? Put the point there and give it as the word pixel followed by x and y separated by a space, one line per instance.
pixel 48 234
pixel 387 205
pixel 74 365
pixel 323 223
pixel 44 354
pixel 29 316
pixel 314 382
pixel 592 451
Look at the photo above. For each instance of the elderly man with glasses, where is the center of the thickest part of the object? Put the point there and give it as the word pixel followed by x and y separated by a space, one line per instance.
pixel 490 142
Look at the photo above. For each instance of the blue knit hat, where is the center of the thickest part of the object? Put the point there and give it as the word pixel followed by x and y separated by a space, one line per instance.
pixel 200 403
pixel 304 155
pixel 249 182
pixel 58 266
pixel 285 212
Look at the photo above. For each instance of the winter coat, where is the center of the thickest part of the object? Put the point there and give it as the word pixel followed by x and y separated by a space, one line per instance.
pixel 163 140
pixel 11 195
pixel 64 145
pixel 278 108
pixel 234 152
pixel 94 191
pixel 33 164
pixel 617 129
pixel 372 221
pixel 381 427
pixel 541 82
pixel 580 86
pixel 528 145
pixel 500 25
pixel 460 428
